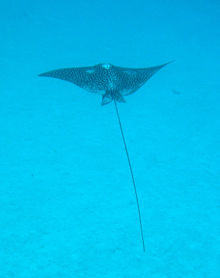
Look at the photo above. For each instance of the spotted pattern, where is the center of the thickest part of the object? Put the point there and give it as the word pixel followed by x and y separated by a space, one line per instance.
pixel 110 81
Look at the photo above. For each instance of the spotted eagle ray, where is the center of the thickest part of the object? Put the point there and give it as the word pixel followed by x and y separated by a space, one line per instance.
pixel 113 84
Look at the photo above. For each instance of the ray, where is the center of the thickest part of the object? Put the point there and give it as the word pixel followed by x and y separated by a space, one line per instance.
pixel 113 83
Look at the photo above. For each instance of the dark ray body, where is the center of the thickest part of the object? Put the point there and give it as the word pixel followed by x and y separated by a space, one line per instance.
pixel 110 81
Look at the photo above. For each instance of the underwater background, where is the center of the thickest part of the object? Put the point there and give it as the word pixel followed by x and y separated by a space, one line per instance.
pixel 67 204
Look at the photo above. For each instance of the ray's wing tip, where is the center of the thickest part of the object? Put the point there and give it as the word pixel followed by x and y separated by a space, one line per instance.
pixel 165 64
pixel 170 62
pixel 41 74
pixel 47 73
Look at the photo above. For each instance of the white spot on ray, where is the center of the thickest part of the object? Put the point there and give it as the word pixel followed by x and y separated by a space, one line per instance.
pixel 106 66
pixel 90 71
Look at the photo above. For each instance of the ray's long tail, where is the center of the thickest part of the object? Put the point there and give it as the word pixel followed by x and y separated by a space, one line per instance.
pixel 132 175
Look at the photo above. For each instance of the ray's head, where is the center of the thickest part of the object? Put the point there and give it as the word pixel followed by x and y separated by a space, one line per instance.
pixel 106 66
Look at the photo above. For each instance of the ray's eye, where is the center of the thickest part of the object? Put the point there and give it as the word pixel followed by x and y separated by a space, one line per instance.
pixel 106 66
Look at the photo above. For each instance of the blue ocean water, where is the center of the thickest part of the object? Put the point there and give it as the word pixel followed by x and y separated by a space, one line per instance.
pixel 67 204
